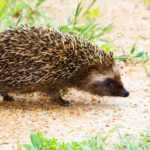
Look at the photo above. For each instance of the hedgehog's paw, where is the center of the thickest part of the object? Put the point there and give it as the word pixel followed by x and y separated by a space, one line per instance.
pixel 7 97
pixel 62 102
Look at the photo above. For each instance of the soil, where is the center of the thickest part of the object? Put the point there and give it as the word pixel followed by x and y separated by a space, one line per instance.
pixel 89 114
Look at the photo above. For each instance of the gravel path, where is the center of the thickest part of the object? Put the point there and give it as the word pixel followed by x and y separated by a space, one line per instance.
pixel 88 114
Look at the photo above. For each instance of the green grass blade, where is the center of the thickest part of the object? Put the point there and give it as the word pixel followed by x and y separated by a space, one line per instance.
pixel 28 147
pixel 133 49
pixel 121 57
pixel 88 28
pixel 36 142
pixel 139 55
pixel 77 13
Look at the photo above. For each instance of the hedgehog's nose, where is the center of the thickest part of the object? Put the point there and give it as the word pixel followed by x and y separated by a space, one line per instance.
pixel 125 93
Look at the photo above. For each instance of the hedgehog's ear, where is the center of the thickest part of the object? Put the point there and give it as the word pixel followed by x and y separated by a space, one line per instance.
pixel 92 66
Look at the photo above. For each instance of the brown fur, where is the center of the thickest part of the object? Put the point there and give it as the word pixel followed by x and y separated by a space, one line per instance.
pixel 37 59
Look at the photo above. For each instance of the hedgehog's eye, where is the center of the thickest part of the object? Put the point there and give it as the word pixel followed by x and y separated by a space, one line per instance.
pixel 108 82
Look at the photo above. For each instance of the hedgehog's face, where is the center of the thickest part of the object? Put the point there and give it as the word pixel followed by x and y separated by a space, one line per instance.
pixel 107 83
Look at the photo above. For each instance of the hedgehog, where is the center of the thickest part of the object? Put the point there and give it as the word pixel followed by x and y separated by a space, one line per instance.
pixel 36 59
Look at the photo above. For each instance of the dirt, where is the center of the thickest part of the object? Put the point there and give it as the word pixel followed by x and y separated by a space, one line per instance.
pixel 88 114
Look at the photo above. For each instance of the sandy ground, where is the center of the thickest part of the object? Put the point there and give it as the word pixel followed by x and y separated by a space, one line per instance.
pixel 88 114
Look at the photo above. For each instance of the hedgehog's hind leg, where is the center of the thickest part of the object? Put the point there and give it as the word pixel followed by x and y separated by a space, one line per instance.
pixel 7 97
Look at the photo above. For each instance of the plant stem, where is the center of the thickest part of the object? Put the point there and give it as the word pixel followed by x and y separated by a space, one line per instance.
pixel 89 7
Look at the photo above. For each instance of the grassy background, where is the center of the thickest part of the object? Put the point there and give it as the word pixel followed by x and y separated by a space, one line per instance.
pixel 98 142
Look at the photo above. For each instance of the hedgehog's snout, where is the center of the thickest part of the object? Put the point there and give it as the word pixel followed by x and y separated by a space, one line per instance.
pixel 124 93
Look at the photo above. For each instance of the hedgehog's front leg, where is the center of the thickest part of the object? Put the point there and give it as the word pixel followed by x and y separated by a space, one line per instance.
pixel 7 97
pixel 62 102
pixel 56 96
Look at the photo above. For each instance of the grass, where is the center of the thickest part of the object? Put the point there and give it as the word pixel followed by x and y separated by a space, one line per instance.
pixel 90 29
pixel 133 55
pixel 21 12
pixel 98 142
